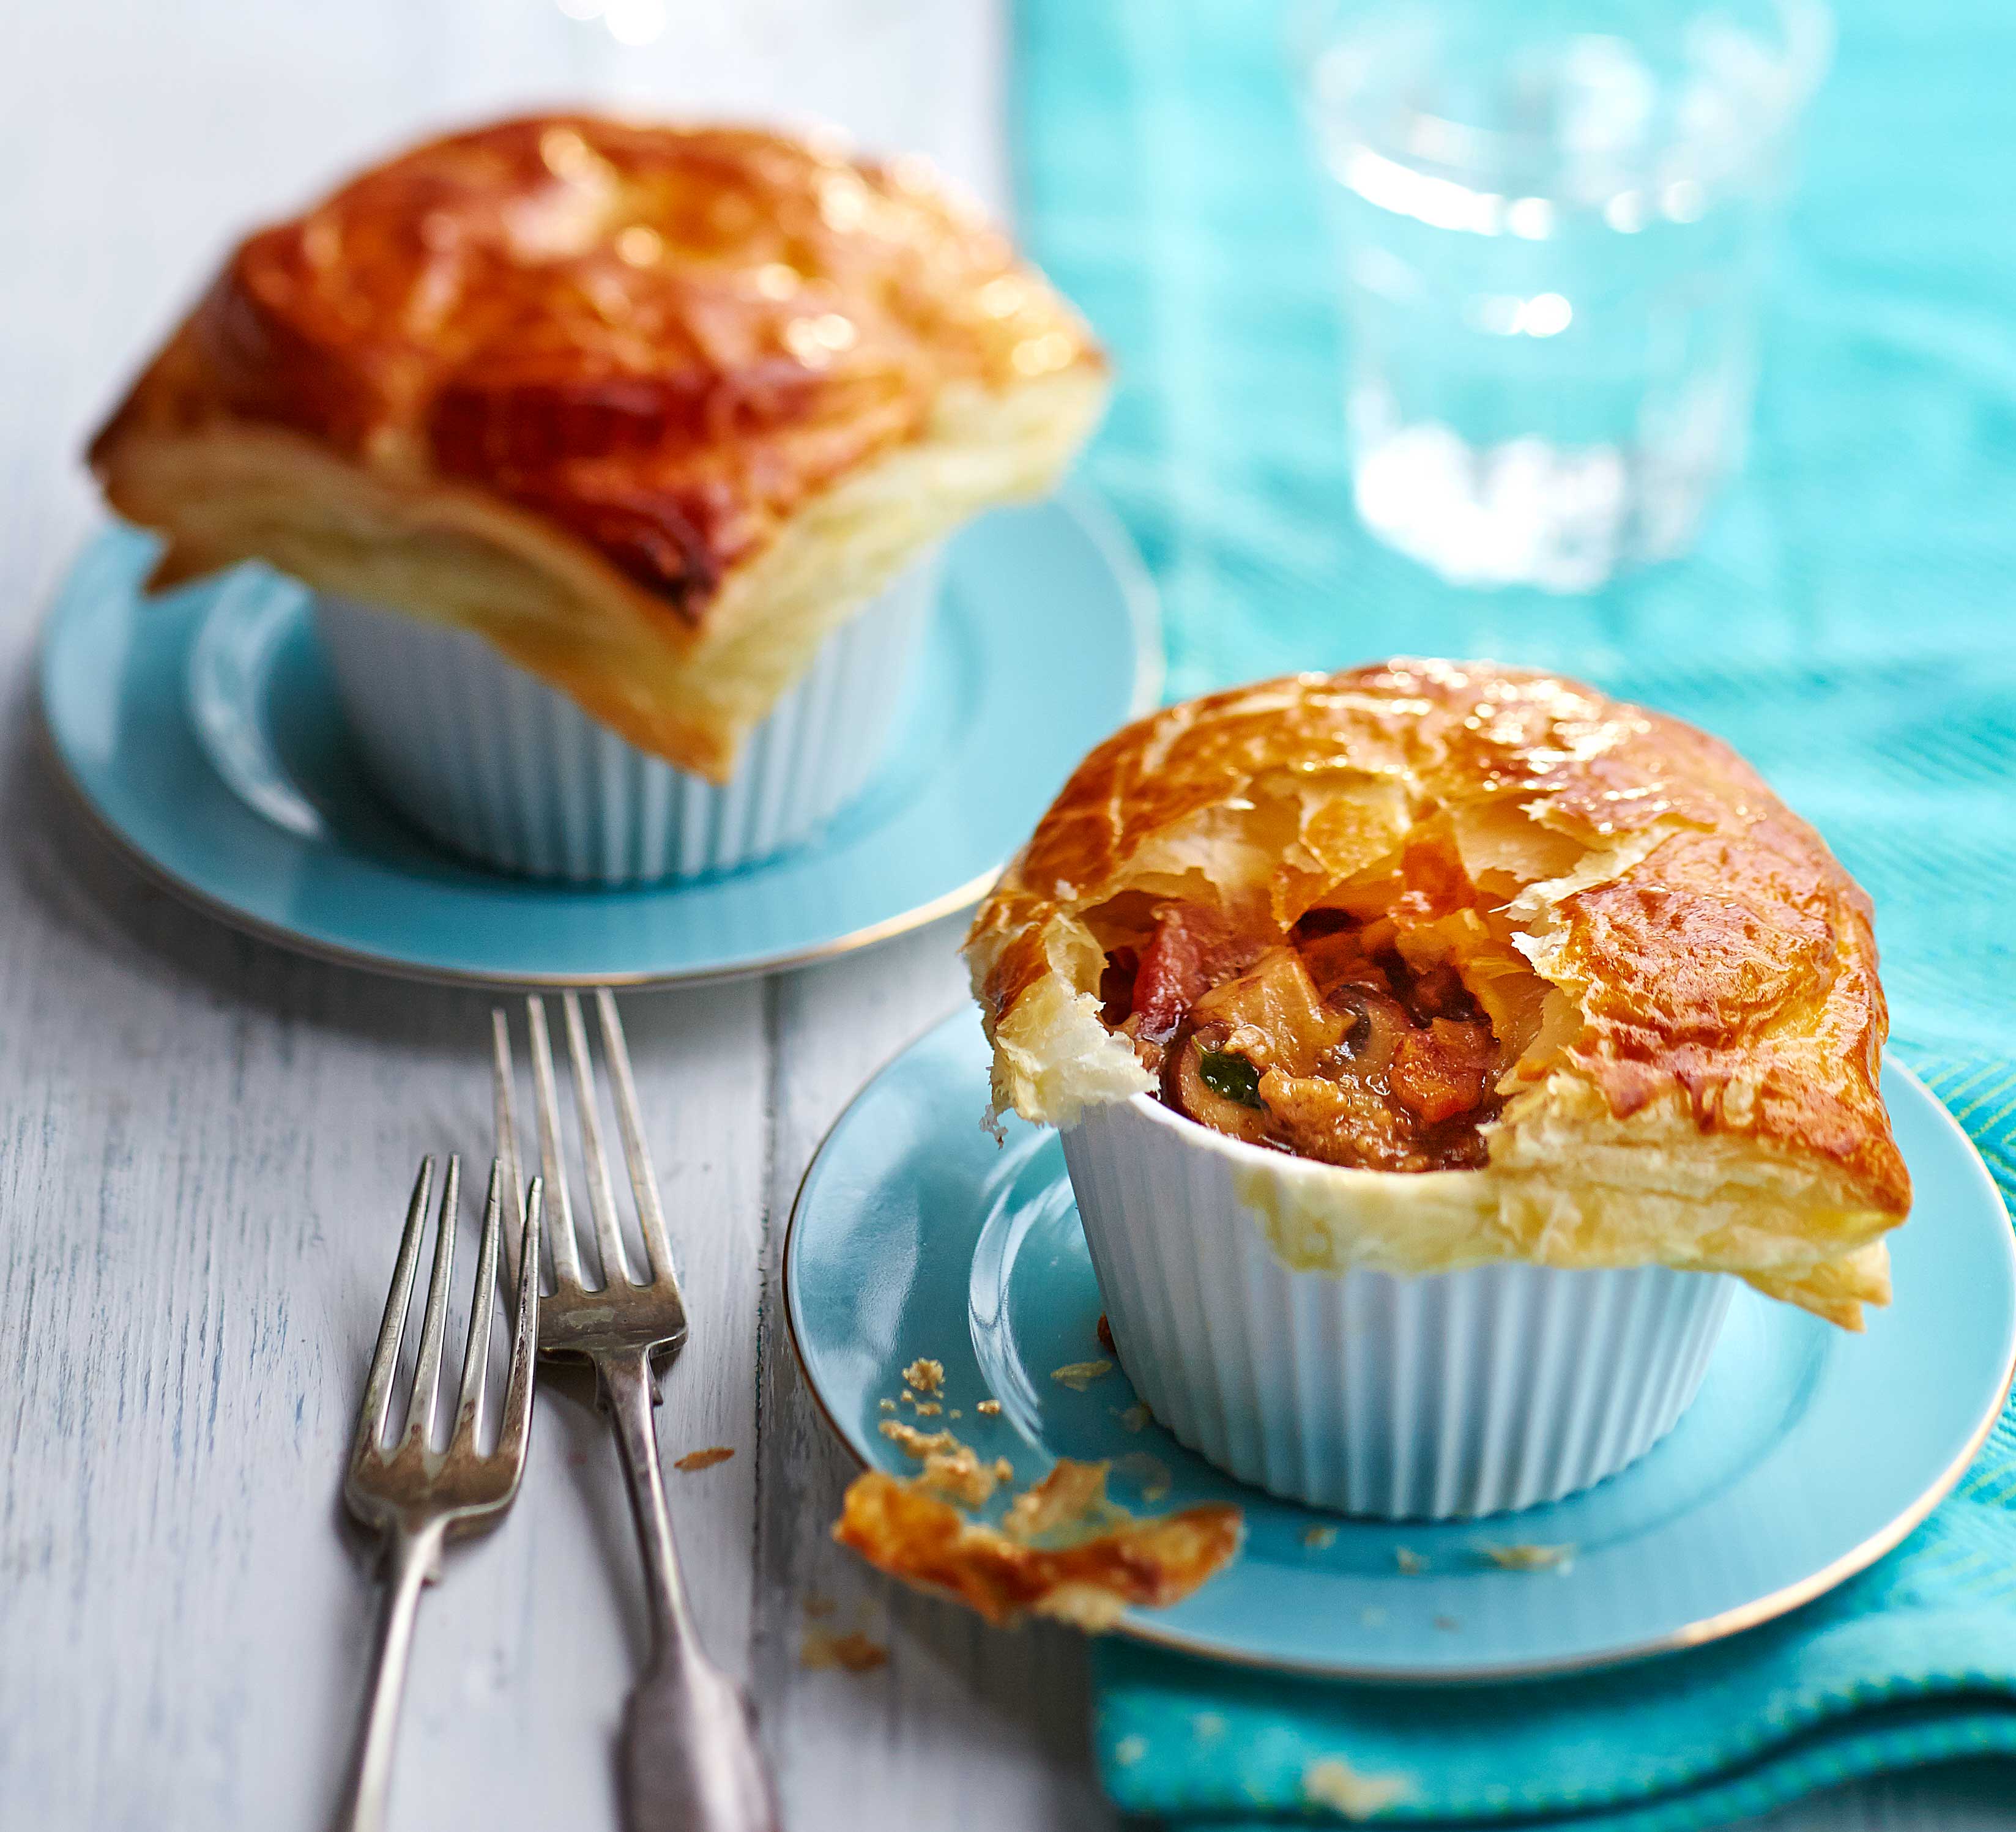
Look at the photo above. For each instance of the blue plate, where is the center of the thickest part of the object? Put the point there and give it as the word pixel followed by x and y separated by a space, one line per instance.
pixel 203 730
pixel 1807 1455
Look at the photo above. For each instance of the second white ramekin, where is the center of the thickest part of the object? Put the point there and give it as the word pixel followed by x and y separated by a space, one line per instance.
pixel 1440 1396
pixel 495 763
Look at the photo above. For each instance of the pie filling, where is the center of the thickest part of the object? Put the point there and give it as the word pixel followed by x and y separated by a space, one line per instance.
pixel 1374 1032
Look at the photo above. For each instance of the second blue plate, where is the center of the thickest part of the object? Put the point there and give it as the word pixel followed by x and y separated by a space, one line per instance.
pixel 1809 1453
pixel 203 730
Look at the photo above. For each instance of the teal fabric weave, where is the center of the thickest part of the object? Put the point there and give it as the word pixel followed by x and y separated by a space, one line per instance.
pixel 1849 621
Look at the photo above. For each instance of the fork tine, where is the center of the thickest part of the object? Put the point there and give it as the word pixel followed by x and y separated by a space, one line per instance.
pixel 385 1357
pixel 601 1196
pixel 636 1154
pixel 426 1370
pixel 502 1080
pixel 476 1353
pixel 518 1413
pixel 566 1257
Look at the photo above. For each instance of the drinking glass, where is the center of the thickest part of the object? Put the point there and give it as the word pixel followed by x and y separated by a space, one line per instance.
pixel 1554 218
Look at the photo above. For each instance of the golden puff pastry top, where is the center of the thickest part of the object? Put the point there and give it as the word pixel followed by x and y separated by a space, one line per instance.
pixel 1689 973
pixel 661 338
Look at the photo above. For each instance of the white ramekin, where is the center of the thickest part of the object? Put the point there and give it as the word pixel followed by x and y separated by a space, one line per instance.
pixel 1441 1396
pixel 495 763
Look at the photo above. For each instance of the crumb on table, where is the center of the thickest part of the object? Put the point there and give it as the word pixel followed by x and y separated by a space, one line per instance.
pixel 851 1653
pixel 704 1459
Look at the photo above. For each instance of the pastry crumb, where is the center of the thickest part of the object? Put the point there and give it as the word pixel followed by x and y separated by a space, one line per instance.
pixel 1097 1559
pixel 928 1409
pixel 1321 1539
pixel 851 1653
pixel 1069 1501
pixel 1105 1332
pixel 1078 1375
pixel 1151 1472
pixel 1135 1418
pixel 1529 1558
pixel 988 1409
pixel 959 1475
pixel 925 1374
pixel 918 1443
pixel 1334 1782
pixel 955 1413
pixel 1411 1564
pixel 702 1459
pixel 888 1406
pixel 1129 1750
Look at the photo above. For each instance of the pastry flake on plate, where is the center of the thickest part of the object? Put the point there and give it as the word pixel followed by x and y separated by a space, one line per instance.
pixel 1064 1550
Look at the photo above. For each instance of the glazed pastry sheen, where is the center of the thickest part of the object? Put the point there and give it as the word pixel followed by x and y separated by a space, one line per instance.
pixel 1680 978
pixel 651 407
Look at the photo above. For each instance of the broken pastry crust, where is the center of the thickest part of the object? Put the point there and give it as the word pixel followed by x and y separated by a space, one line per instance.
pixel 1690 974
pixel 1064 1551
pixel 654 409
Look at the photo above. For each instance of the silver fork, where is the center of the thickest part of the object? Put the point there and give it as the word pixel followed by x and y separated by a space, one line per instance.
pixel 689 1759
pixel 413 1494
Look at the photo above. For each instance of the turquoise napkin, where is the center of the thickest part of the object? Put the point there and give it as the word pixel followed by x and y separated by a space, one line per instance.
pixel 1849 621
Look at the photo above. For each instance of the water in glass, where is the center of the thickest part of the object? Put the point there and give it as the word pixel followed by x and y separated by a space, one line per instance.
pixel 1553 221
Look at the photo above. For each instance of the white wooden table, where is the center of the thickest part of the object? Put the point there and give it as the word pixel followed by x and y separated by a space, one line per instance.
pixel 205 1143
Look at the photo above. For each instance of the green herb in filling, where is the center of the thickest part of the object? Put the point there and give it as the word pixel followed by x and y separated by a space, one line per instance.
pixel 1230 1077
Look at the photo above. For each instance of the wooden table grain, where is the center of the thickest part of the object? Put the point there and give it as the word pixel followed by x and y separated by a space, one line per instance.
pixel 204 1141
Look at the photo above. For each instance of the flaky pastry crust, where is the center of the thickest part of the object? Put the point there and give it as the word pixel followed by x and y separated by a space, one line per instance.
pixel 652 408
pixel 1699 1087
pixel 1064 1551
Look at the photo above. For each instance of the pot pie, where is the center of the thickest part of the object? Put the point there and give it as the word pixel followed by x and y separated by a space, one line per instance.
pixel 1532 974
pixel 653 409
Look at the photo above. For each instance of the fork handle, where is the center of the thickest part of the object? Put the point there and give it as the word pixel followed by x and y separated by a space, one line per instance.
pixel 690 1759
pixel 413 1559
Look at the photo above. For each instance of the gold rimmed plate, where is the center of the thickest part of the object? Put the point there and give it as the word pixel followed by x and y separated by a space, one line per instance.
pixel 1809 1453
